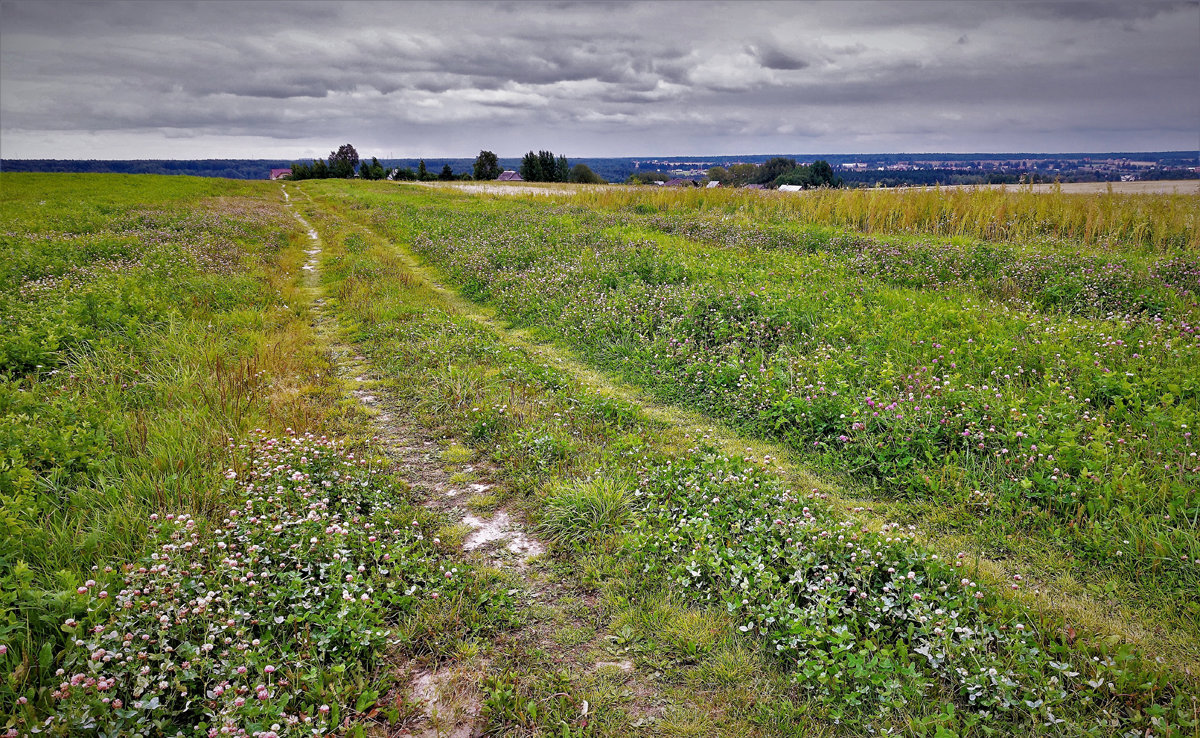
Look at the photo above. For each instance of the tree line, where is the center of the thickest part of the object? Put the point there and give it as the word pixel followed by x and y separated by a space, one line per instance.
pixel 776 172
pixel 771 173
pixel 543 166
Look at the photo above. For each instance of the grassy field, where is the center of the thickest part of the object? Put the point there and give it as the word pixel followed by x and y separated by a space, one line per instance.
pixel 1038 401
pixel 164 405
pixel 836 468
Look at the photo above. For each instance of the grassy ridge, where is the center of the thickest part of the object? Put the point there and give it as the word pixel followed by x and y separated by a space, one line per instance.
pixel 801 616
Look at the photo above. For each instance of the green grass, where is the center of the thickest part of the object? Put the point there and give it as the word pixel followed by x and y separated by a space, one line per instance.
pixel 1160 224
pixel 741 557
pixel 580 512
pixel 156 349
pixel 1036 400
pixel 152 324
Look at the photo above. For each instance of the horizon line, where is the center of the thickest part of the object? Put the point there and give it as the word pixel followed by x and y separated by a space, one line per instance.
pixel 642 156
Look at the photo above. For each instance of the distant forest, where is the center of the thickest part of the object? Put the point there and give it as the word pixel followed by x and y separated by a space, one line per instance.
pixel 1047 167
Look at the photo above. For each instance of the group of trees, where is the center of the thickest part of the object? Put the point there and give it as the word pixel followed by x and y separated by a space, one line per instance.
pixel 422 174
pixel 544 167
pixel 340 165
pixel 582 174
pixel 540 167
pixel 487 165
pixel 778 171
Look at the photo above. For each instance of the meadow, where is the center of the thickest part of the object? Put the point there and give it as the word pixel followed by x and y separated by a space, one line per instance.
pixel 827 466
pixel 1038 400
pixel 850 619
pixel 163 396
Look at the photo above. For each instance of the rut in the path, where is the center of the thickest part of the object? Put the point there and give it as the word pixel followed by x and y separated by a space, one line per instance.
pixel 448 709
pixel 448 694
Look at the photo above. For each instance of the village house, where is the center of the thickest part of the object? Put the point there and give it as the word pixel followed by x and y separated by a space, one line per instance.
pixel 509 175
pixel 280 173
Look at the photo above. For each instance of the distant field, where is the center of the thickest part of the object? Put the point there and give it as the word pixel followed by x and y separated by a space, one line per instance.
pixel 1157 187
pixel 343 457
pixel 1160 187
pixel 509 188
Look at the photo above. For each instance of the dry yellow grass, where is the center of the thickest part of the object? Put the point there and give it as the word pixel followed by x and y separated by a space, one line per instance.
pixel 1154 187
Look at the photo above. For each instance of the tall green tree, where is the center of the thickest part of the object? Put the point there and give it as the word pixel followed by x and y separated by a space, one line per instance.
pixel 583 174
pixel 487 166
pixel 446 174
pixel 422 172
pixel 822 175
pixel 740 174
pixel 719 174
pixel 818 174
pixel 531 168
pixel 300 170
pixel 547 166
pixel 343 162
pixel 773 168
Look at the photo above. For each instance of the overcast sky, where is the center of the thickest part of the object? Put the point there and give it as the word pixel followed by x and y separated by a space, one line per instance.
pixel 288 79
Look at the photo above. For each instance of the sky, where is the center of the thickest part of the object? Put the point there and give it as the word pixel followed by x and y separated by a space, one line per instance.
pixel 282 79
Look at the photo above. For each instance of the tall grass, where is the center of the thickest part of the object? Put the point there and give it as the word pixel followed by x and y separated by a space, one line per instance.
pixel 1158 224
pixel 121 385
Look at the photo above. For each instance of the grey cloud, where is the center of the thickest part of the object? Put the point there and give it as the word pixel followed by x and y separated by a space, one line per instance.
pixel 599 78
pixel 773 57
pixel 1101 10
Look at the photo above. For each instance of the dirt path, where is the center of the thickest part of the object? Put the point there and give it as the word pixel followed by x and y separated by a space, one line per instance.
pixel 448 477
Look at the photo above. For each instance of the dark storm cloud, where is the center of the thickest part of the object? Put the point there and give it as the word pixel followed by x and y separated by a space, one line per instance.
pixel 773 57
pixel 280 79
